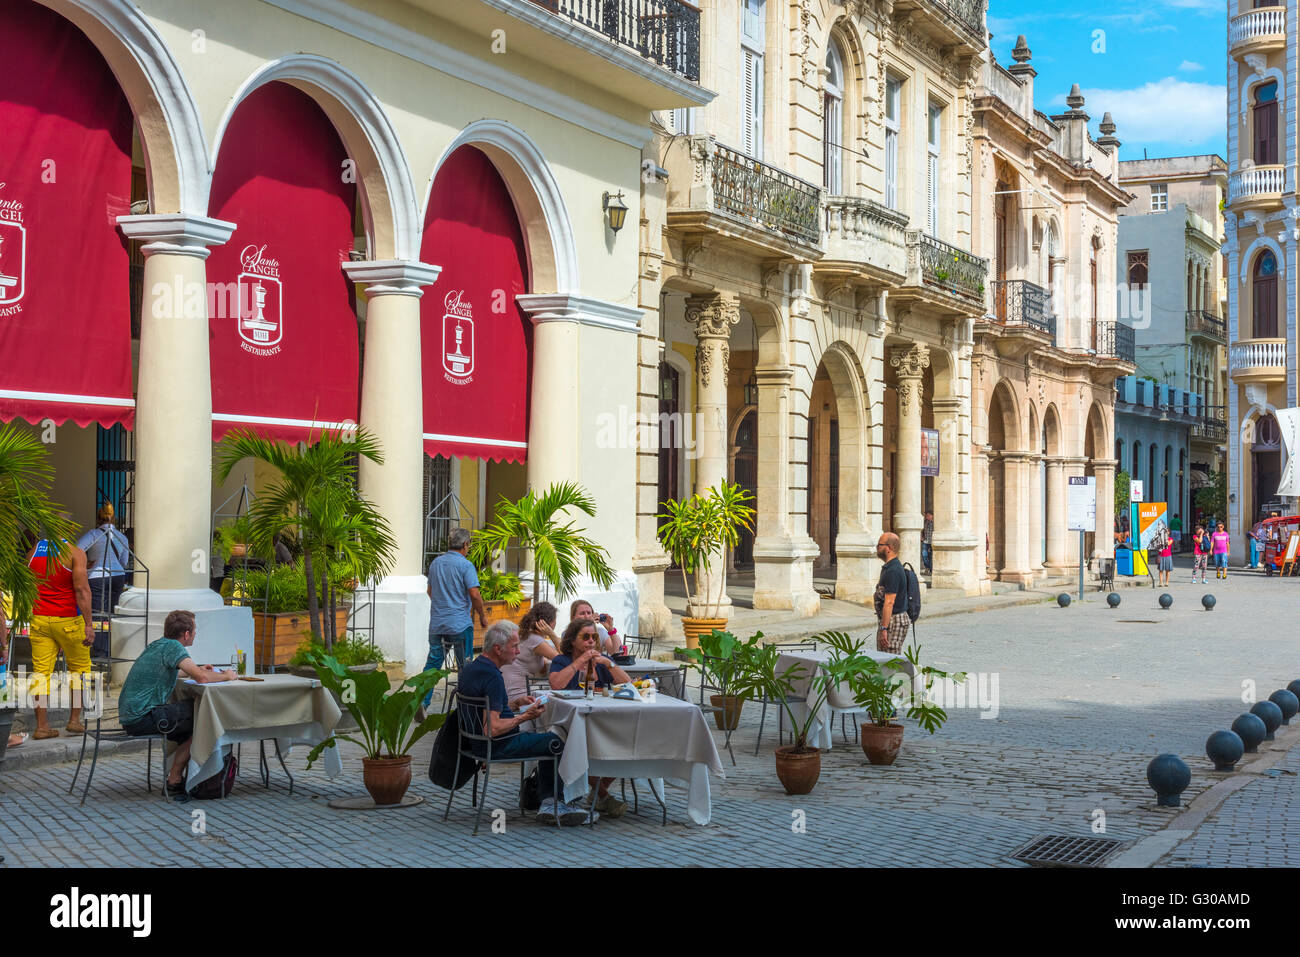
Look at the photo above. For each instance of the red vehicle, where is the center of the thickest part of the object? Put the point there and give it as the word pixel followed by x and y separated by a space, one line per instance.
pixel 1274 533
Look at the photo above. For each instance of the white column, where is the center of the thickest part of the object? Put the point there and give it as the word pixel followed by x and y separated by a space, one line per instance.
pixel 1034 475
pixel 173 444
pixel 953 544
pixel 713 317
pixel 1015 543
pixel 1103 540
pixel 1058 559
pixel 392 409
pixel 910 363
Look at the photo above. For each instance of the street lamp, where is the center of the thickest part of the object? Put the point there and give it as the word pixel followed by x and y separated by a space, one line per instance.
pixel 616 208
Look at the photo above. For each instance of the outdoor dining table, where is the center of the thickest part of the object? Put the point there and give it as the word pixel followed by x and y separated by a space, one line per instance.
pixel 668 674
pixel 619 738
pixel 286 709
pixel 821 733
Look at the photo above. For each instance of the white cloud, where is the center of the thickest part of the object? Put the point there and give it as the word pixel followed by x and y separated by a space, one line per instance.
pixel 1187 66
pixel 1164 111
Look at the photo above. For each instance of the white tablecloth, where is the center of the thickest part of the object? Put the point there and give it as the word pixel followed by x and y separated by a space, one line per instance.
pixel 667 673
pixel 614 738
pixel 821 733
pixel 286 708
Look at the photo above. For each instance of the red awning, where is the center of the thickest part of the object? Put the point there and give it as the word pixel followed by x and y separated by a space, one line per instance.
pixel 474 339
pixel 65 177
pixel 282 327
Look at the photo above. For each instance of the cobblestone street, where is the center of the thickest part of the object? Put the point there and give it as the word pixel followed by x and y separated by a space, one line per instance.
pixel 1087 696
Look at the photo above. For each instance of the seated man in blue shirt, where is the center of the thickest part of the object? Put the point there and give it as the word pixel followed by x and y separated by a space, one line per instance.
pixel 482 678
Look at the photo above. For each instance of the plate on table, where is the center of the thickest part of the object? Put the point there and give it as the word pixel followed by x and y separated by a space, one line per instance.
pixel 568 694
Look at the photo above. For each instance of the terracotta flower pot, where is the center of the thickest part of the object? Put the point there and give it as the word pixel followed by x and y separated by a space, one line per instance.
pixel 881 742
pixel 386 778
pixel 728 719
pixel 798 772
pixel 694 627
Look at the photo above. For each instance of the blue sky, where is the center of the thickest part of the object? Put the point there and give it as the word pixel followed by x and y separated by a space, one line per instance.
pixel 1159 67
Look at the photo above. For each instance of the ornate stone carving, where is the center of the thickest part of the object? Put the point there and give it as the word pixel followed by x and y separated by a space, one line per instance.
pixel 908 390
pixel 910 362
pixel 712 315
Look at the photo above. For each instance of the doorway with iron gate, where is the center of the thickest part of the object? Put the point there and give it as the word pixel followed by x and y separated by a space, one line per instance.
pixel 744 472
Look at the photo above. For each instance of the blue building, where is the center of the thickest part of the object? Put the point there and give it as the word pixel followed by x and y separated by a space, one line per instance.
pixel 1153 432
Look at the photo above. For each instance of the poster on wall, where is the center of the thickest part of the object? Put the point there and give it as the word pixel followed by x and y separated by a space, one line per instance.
pixel 930 453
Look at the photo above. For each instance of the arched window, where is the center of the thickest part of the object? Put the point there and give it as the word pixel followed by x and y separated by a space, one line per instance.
pixel 833 122
pixel 1264 296
pixel 1152 474
pixel 1264 113
pixel 1137 460
pixel 1169 465
pixel 1119 453
pixel 1092 280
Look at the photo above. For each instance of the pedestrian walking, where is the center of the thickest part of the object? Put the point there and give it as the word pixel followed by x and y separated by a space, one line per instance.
pixel 453 596
pixel 1219 546
pixel 1200 552
pixel 1166 560
pixel 891 597
pixel 61 621
pixel 107 557
pixel 1256 539
pixel 927 543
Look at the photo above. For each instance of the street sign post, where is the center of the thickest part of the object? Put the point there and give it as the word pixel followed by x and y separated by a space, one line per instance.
pixel 1081 508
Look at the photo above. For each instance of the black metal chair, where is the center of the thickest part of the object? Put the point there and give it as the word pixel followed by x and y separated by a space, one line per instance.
pixel 470 712
pixel 638 646
pixel 120 734
pixel 780 710
pixel 1106 572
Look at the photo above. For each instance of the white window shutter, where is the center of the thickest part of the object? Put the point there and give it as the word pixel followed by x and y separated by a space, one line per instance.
pixel 932 197
pixel 747 105
pixel 891 169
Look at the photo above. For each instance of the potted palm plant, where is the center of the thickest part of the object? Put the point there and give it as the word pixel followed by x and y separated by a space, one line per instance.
pixel 344 538
pixel 388 724
pixel 503 598
pixel 697 532
pixel 882 689
pixel 558 548
pixel 801 696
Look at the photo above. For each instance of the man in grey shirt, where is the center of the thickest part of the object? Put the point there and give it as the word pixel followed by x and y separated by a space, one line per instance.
pixel 453 595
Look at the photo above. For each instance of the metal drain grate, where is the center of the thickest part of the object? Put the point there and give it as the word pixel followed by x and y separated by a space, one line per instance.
pixel 1064 850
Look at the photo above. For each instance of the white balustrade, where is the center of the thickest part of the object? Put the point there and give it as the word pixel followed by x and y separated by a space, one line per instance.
pixel 1264 22
pixel 1256 181
pixel 1252 354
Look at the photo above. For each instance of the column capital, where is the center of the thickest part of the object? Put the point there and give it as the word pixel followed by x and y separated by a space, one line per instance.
pixel 392 277
pixel 1104 464
pixel 176 234
pixel 910 361
pixel 778 376
pixel 713 314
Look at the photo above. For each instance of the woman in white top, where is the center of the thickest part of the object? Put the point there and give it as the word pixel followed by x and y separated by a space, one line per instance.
pixel 538 644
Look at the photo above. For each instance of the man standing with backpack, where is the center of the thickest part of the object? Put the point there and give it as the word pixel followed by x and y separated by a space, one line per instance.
pixel 891 597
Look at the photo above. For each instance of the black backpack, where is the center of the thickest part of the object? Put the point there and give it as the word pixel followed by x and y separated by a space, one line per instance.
pixel 913 592
pixel 220 784
pixel 443 762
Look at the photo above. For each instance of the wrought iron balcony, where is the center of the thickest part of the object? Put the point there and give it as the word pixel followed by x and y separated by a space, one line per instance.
pixel 859 230
pixel 1115 341
pixel 1017 302
pixel 665 31
pixel 725 190
pixel 1211 426
pixel 962 19
pixel 939 265
pixel 1207 324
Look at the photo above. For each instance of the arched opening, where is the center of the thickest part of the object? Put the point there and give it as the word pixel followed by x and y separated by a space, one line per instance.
pixel 476 343
pixel 1094 255
pixel 833 120
pixel 1003 437
pixel 837 450
pixel 1264 296
pixel 69 289
pixel 1266 468
pixel 1264 117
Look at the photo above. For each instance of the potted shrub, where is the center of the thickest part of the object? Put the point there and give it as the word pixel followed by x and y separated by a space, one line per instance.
pixel 883 694
pixel 343 537
pixel 798 766
pixel 559 550
pixel 720 658
pixel 233 539
pixel 387 728
pixel 697 532
pixel 281 623
pixel 503 599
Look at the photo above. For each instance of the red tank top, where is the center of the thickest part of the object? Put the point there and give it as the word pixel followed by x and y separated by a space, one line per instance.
pixel 55 596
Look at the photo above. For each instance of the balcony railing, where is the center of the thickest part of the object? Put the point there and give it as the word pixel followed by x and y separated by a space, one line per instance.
pixel 1257 356
pixel 665 31
pixel 1263 24
pixel 862 230
pixel 1202 323
pixel 771 197
pixel 1020 303
pixel 947 267
pixel 1115 341
pixel 969 12
pixel 1246 184
pixel 1212 426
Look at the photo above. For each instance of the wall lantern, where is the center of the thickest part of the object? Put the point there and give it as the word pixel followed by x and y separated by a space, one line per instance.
pixel 616 209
